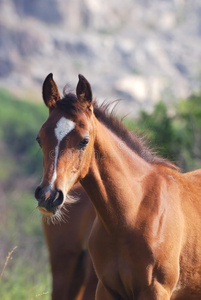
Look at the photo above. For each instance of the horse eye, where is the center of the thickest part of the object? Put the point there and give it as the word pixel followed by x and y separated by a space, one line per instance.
pixel 84 142
pixel 38 140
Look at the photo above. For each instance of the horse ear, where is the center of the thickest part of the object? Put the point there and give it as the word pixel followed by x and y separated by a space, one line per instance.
pixel 50 92
pixel 84 93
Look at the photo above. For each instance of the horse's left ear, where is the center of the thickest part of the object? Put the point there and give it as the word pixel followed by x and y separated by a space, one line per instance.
pixel 84 93
pixel 50 92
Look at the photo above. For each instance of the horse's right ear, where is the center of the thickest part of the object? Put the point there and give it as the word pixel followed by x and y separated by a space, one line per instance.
pixel 50 92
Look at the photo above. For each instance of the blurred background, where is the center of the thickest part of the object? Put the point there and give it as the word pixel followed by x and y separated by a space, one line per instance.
pixel 147 53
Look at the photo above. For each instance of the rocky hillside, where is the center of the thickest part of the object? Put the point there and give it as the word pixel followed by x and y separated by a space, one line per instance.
pixel 138 50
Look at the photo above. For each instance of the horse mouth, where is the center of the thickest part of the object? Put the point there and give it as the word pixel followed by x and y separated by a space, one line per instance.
pixel 45 212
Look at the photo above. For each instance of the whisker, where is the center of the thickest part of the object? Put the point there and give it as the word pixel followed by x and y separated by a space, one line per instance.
pixel 35 209
pixel 62 215
pixel 34 214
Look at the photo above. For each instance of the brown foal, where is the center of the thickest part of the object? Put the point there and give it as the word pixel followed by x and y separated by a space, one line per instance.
pixel 73 276
pixel 145 243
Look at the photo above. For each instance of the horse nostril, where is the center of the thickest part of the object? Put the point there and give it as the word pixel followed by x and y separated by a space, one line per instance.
pixel 38 193
pixel 49 199
pixel 59 198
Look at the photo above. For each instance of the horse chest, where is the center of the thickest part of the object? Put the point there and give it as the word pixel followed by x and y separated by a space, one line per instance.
pixel 118 265
pixel 116 274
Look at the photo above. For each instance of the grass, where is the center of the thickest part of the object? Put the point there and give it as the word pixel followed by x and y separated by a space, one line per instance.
pixel 6 262
pixel 17 281
pixel 25 273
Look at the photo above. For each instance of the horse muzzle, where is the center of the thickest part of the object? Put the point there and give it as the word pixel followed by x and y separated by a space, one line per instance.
pixel 48 199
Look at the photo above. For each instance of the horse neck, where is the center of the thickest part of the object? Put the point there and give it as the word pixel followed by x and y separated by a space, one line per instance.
pixel 115 178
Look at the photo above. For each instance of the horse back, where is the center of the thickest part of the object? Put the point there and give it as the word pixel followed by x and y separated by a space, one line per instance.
pixel 190 256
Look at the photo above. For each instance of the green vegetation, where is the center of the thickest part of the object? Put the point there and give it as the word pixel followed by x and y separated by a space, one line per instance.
pixel 175 134
pixel 20 281
pixel 19 124
pixel 27 272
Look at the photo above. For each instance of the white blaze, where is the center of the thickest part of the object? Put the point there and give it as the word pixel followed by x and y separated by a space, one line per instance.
pixel 63 127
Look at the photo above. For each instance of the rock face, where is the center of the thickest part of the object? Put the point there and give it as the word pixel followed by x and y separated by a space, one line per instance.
pixel 138 50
